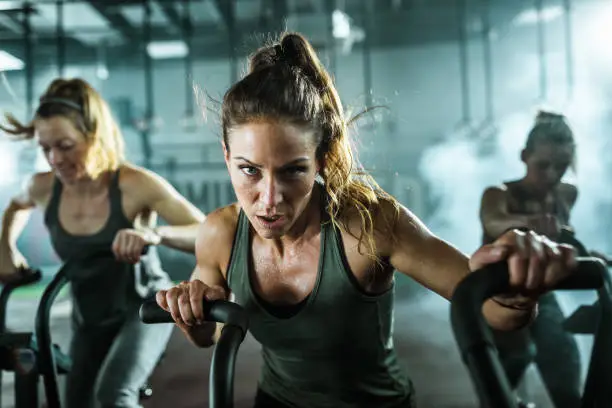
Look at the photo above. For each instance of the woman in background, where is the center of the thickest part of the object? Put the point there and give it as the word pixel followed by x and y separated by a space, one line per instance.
pixel 93 200
pixel 539 202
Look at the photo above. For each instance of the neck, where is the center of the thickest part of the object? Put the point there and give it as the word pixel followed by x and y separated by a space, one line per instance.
pixel 87 186
pixel 307 226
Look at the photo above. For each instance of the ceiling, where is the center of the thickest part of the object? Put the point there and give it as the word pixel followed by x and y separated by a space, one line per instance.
pixel 222 28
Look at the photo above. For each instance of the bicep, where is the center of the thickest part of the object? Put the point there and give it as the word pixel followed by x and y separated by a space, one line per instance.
pixel 495 216
pixel 34 191
pixel 493 204
pixel 210 248
pixel 426 258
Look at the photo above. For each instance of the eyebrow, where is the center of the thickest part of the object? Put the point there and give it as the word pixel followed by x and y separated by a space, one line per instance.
pixel 60 141
pixel 299 160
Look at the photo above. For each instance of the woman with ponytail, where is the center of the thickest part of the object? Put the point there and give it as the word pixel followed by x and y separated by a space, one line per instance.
pixel 97 205
pixel 539 202
pixel 310 248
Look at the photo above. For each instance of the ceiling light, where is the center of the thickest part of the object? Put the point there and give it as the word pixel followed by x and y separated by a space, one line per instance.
pixel 167 49
pixel 9 62
pixel 532 16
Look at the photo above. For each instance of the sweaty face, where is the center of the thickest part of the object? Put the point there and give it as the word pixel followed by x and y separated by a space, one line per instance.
pixel 547 163
pixel 272 167
pixel 64 147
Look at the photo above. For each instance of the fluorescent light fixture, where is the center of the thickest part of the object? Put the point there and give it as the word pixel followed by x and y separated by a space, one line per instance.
pixel 531 16
pixel 9 62
pixel 10 5
pixel 167 49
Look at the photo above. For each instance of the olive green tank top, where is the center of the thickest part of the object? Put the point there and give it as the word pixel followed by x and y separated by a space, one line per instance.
pixel 103 290
pixel 334 349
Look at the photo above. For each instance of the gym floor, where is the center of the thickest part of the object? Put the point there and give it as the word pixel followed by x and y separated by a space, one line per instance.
pixel 422 336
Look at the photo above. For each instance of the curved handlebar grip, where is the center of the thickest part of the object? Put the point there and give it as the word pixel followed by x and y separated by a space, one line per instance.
pixel 466 304
pixel 25 277
pixel 220 311
pixel 151 313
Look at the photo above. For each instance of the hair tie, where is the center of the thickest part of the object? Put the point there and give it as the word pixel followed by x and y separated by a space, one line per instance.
pixel 60 101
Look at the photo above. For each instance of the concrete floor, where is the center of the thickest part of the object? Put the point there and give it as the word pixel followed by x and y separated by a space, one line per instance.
pixel 422 336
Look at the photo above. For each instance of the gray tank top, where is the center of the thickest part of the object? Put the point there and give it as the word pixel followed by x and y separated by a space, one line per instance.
pixel 335 349
pixel 103 290
pixel 519 202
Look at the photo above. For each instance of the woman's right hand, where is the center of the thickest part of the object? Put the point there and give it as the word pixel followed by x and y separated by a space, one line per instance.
pixel 184 303
pixel 11 262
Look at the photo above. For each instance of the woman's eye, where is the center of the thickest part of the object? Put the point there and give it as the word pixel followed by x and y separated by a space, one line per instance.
pixel 249 170
pixel 296 171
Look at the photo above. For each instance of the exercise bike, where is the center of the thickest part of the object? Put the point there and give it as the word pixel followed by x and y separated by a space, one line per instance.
pixel 478 351
pixel 19 350
pixel 49 357
pixel 221 387
pixel 584 319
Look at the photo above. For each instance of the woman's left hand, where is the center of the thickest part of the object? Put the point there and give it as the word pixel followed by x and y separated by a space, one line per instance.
pixel 535 263
pixel 130 243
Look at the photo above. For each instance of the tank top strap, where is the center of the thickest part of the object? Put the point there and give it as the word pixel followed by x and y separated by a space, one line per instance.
pixel 239 258
pixel 115 196
pixel 52 210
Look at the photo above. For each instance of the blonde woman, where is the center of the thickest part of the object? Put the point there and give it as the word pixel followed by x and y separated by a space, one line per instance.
pixel 92 200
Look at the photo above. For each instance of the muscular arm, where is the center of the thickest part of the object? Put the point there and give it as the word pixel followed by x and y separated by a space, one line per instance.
pixel 494 215
pixel 213 251
pixel 157 196
pixel 16 216
pixel 14 220
pixel 440 267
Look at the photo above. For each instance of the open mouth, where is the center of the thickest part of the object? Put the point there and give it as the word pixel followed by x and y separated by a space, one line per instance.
pixel 270 219
pixel 272 222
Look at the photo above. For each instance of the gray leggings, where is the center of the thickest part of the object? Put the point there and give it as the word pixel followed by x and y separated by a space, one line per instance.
pixel 555 354
pixel 110 364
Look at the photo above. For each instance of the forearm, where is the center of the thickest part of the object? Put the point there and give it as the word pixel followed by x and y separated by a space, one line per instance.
pixel 506 318
pixel 14 221
pixel 181 237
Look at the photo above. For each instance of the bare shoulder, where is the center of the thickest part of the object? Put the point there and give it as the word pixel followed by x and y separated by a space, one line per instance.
pixel 216 236
pixel 389 219
pixel 499 190
pixel 39 187
pixel 569 192
pixel 145 185
pixel 222 222
pixel 133 176
pixel 494 197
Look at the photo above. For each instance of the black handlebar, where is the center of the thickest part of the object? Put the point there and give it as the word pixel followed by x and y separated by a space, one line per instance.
pixel 216 311
pixel 46 357
pixel 474 336
pixel 25 277
pixel 224 355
